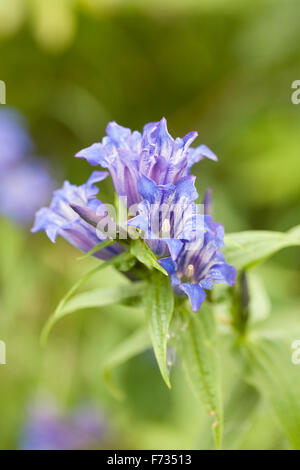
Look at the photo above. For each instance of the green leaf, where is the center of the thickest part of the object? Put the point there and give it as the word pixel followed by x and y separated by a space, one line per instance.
pixel 59 311
pixel 245 249
pixel 142 252
pixel 295 231
pixel 159 306
pixel 197 348
pixel 98 247
pixel 102 297
pixel 274 375
pixel 135 344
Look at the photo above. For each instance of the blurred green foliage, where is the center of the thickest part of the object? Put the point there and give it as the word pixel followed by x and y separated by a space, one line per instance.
pixel 223 68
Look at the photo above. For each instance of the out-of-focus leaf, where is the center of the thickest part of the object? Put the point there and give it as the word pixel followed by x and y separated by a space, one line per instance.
pixel 55 27
pixel 197 348
pixel 11 247
pixel 135 344
pixel 102 297
pixel 240 304
pixel 245 249
pixel 59 312
pixel 142 252
pixel 295 231
pixel 274 375
pixel 159 306
pixel 242 403
pixel 260 304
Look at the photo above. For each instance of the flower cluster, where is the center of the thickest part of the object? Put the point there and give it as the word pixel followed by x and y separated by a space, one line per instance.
pixel 153 172
pixel 24 180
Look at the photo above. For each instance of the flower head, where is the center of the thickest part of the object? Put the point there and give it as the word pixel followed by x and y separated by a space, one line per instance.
pixel 61 219
pixel 15 142
pixel 199 264
pixel 155 154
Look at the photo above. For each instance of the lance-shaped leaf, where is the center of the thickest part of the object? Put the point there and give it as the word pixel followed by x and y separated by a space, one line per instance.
pixel 196 346
pixel 102 297
pixel 245 249
pixel 159 306
pixel 118 260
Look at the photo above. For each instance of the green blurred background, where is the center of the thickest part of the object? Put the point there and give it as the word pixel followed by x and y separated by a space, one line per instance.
pixel 223 68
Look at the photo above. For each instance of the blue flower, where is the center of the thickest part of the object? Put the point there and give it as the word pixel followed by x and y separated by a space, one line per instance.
pixel 199 264
pixel 167 215
pixel 25 182
pixel 47 427
pixel 61 219
pixel 154 153
pixel 23 189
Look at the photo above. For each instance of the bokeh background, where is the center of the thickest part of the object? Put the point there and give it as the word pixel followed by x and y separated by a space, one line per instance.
pixel 221 67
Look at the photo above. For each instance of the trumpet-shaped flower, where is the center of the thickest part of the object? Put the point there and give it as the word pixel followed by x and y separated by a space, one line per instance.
pixel 154 153
pixel 61 219
pixel 167 215
pixel 199 264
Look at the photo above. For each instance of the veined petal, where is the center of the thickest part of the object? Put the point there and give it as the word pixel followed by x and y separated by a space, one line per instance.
pixel 197 154
pixel 223 273
pixel 175 246
pixel 168 264
pixel 195 293
pixel 207 202
pixel 118 134
pixel 96 177
pixel 95 154
pixel 185 190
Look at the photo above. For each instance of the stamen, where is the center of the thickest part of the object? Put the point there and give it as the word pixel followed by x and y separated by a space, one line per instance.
pixel 166 228
pixel 189 271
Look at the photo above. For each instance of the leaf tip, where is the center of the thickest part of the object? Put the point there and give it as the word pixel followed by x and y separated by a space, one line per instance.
pixel 168 383
pixel 44 338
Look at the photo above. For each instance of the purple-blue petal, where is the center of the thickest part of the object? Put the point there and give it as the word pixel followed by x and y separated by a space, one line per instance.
pixel 199 153
pixel 207 202
pixel 195 293
pixel 94 154
pixel 168 264
pixel 223 273
pixel 175 246
pixel 147 188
